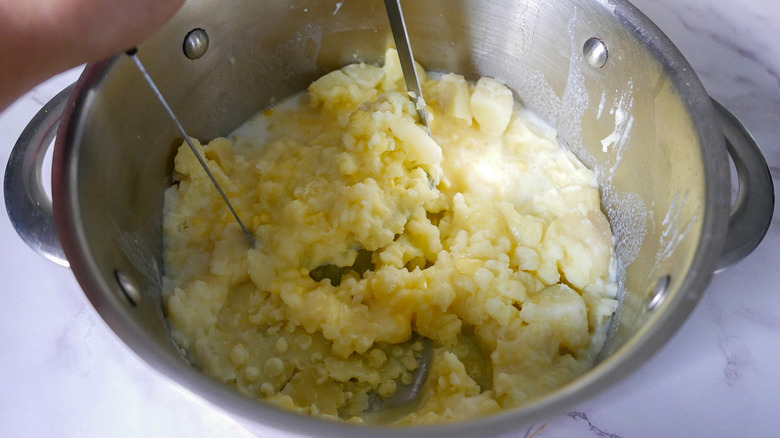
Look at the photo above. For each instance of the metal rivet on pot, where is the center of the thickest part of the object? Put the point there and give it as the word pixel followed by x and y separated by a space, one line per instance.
pixel 659 293
pixel 595 52
pixel 196 43
pixel 128 286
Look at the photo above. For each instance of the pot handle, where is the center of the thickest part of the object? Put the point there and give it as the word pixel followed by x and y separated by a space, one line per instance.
pixel 32 215
pixel 28 205
pixel 752 211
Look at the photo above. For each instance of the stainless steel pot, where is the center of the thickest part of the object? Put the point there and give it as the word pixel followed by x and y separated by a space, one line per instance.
pixel 620 94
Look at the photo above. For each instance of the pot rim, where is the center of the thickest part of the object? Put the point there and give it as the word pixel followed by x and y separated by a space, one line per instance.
pixel 613 369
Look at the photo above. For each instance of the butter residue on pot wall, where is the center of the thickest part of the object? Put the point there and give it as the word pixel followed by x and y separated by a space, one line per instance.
pixel 487 239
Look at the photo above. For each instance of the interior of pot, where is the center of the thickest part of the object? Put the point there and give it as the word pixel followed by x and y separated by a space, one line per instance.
pixel 640 120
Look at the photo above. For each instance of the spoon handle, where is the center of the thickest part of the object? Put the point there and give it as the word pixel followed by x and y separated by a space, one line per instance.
pixel 401 37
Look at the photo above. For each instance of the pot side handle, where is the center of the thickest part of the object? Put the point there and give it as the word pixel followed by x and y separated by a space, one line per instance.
pixel 28 205
pixel 32 215
pixel 751 213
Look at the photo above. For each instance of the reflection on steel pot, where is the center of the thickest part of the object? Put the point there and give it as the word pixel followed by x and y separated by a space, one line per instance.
pixel 621 96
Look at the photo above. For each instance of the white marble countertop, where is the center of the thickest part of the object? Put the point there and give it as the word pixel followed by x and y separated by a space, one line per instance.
pixel 64 373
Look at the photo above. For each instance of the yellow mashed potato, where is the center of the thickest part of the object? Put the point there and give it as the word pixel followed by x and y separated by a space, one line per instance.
pixel 487 240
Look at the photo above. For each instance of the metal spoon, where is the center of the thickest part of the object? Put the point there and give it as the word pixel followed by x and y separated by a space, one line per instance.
pixel 405 55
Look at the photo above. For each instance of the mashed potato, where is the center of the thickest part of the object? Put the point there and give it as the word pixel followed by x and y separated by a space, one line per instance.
pixel 487 239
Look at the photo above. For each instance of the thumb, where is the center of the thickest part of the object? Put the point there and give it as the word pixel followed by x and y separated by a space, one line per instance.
pixel 40 38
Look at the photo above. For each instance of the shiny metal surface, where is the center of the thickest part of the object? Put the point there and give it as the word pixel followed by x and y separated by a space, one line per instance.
pixel 643 122
pixel 405 54
pixel 26 201
pixel 595 52
pixel 658 295
pixel 752 212
pixel 129 287
pixel 187 139
pixel 196 43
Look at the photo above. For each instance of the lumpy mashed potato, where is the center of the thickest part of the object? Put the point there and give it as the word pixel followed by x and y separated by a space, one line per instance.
pixel 372 237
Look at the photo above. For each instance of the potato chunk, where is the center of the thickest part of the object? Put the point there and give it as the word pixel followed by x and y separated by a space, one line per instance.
pixel 454 97
pixel 491 104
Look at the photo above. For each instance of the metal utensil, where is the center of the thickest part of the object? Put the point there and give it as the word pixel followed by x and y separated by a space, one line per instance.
pixel 514 37
pixel 405 398
pixel 401 37
pixel 133 53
